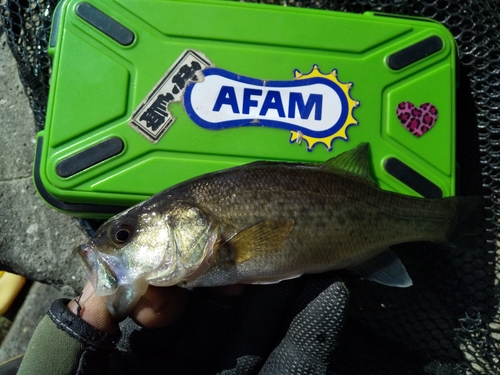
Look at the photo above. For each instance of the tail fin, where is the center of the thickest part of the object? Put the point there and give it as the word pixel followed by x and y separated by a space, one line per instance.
pixel 467 230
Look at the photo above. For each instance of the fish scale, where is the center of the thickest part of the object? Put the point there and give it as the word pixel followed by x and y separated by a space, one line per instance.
pixel 318 201
pixel 265 222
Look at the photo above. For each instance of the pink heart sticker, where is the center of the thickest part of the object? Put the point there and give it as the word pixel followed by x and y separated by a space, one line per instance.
pixel 417 121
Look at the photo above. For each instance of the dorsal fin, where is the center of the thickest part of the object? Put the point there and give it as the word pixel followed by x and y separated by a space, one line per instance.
pixel 354 161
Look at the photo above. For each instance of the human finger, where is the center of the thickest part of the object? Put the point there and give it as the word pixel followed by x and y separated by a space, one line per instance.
pixel 92 309
pixel 160 306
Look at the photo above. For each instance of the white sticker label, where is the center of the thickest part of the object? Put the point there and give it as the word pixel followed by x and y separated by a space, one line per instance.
pixel 314 107
pixel 152 117
pixel 223 101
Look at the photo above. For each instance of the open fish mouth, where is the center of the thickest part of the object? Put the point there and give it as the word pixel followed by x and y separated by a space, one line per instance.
pixel 110 281
pixel 88 257
pixel 99 272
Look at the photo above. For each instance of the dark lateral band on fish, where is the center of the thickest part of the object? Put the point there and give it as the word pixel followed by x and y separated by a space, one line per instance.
pixel 265 222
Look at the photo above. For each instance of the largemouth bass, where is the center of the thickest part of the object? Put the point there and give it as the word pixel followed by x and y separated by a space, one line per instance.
pixel 265 222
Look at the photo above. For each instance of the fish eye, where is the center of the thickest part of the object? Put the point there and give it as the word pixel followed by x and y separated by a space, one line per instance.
pixel 121 233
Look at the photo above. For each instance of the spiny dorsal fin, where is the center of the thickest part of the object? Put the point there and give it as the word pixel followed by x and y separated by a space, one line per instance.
pixel 260 238
pixel 354 161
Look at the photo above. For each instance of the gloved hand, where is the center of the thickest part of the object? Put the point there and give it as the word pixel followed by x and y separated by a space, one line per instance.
pixel 310 338
pixel 285 328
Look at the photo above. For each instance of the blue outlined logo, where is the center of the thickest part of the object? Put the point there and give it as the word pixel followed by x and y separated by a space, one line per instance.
pixel 315 107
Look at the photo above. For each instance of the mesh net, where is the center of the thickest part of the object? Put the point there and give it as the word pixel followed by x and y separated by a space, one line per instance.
pixel 27 27
pixel 448 322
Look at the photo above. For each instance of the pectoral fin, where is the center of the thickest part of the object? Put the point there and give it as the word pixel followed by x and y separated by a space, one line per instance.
pixel 386 269
pixel 258 239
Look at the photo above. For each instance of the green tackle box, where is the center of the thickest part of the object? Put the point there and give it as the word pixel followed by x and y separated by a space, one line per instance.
pixel 147 93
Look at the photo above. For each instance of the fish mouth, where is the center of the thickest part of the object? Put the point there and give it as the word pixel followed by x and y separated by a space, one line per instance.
pixel 100 273
pixel 88 257
pixel 119 296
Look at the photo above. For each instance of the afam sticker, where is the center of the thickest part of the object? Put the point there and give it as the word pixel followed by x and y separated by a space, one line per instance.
pixel 152 118
pixel 314 107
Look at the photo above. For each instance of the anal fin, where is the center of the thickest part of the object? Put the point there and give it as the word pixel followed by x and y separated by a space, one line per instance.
pixel 386 269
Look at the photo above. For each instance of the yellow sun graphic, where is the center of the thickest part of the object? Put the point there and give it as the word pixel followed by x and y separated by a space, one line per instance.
pixel 298 137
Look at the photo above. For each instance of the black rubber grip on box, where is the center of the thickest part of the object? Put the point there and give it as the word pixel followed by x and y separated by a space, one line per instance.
pixel 89 157
pixel 105 23
pixel 415 52
pixel 412 178
pixel 76 208
pixel 55 25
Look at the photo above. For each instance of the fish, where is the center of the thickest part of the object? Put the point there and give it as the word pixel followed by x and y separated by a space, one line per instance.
pixel 265 222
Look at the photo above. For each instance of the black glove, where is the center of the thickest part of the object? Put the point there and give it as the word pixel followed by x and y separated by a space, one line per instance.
pixel 285 328
pixel 312 336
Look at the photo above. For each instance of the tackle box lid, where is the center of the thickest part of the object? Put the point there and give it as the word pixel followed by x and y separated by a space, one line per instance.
pixel 146 94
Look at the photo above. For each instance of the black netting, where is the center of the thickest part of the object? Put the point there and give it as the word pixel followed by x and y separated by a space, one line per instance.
pixel 26 24
pixel 448 322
